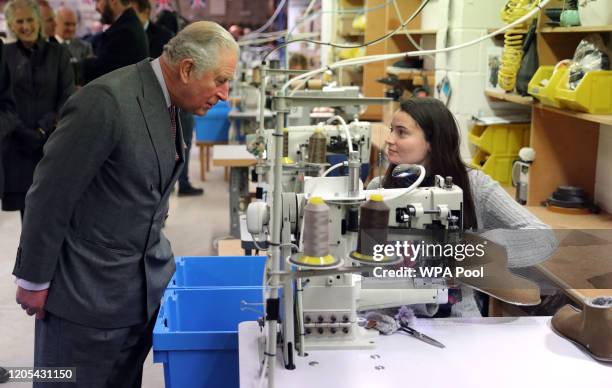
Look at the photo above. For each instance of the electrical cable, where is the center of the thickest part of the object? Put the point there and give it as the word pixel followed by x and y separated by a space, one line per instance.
pixel 346 46
pixel 273 38
pixel 270 21
pixel 308 9
pixel 399 15
pixel 409 188
pixel 345 127
pixel 377 58
pixel 305 19
pixel 335 166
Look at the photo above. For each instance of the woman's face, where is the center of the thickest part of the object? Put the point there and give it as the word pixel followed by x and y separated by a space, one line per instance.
pixel 25 26
pixel 406 142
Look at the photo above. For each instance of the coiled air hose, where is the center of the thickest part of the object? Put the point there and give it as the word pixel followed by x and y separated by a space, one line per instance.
pixel 513 41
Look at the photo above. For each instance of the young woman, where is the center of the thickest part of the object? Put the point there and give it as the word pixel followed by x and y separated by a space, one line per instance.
pixel 425 132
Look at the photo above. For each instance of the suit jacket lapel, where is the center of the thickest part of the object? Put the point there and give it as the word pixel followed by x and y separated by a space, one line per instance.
pixel 153 106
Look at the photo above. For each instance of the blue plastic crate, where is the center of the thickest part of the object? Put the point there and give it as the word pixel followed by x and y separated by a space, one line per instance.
pixel 196 335
pixel 214 125
pixel 218 271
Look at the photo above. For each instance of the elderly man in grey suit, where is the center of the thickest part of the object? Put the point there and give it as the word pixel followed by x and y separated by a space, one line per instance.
pixel 66 22
pixel 92 262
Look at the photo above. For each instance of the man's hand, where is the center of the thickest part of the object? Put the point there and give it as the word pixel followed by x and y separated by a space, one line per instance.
pixel 33 302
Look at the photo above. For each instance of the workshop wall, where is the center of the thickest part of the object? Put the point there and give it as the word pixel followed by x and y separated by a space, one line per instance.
pixel 460 21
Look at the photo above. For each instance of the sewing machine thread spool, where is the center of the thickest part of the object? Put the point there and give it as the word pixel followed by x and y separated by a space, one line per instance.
pixel 316 237
pixel 373 230
pixel 286 159
pixel 317 147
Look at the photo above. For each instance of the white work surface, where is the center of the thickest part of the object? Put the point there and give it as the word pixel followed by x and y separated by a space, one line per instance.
pixel 480 352
pixel 231 152
pixel 252 114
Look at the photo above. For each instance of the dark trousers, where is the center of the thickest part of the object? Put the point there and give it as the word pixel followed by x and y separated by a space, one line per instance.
pixel 187 124
pixel 103 358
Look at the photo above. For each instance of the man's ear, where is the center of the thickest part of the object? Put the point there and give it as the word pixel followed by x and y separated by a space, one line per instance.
pixel 186 69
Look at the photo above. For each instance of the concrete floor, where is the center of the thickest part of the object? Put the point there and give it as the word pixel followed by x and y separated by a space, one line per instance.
pixel 192 225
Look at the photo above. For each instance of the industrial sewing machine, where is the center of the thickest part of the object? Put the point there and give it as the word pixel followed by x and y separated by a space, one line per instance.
pixel 317 305
pixel 326 305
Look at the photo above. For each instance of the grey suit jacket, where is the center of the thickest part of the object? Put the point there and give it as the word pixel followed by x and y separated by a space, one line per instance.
pixel 93 224
pixel 79 49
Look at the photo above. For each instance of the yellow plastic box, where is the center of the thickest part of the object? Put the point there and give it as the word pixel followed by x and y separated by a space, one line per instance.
pixel 498 167
pixel 593 94
pixel 547 95
pixel 500 138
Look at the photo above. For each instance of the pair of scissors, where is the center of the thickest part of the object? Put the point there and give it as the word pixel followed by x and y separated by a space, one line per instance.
pixel 420 336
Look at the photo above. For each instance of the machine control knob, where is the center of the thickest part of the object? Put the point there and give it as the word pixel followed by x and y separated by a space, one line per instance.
pixel 448 182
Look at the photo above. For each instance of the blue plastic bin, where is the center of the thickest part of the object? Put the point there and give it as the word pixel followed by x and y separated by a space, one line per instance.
pixel 196 335
pixel 218 271
pixel 214 125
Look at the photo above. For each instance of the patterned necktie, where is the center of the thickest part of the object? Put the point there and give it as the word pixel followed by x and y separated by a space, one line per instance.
pixel 172 111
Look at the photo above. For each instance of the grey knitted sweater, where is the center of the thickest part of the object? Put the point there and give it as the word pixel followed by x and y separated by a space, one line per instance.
pixel 528 241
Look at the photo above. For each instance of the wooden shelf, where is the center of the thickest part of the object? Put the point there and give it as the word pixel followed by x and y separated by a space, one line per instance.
pixel 569 221
pixel 353 34
pixel 382 20
pixel 578 29
pixel 414 32
pixel 511 97
pixel 410 74
pixel 601 119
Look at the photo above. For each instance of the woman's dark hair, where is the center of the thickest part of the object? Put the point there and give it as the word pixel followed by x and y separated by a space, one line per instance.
pixel 442 133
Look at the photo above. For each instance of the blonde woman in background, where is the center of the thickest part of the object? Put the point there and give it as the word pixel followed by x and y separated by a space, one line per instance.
pixel 42 80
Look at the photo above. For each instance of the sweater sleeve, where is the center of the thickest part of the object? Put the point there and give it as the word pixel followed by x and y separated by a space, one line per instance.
pixel 528 241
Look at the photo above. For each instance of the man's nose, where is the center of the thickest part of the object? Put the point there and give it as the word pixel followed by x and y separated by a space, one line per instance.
pixel 223 92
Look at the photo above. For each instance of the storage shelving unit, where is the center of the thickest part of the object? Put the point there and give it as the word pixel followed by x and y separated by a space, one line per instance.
pixel 565 141
pixel 380 22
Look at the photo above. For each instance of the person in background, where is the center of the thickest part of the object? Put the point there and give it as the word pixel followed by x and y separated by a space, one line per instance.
pixel 185 188
pixel 123 43
pixel 65 31
pixel 42 81
pixel 236 31
pixel 7 106
pixel 93 262
pixel 298 61
pixel 7 110
pixel 66 23
pixel 168 19
pixel 157 35
pixel 48 19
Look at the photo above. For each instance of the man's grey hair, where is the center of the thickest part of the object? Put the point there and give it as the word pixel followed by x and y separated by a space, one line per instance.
pixel 201 41
pixel 11 6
